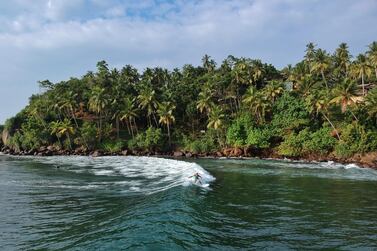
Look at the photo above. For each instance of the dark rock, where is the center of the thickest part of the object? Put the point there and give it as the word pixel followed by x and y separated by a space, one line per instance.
pixel 51 148
pixel 227 151
pixel 178 154
pixel 42 149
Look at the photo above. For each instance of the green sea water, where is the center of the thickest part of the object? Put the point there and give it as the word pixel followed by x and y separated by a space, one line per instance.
pixel 132 203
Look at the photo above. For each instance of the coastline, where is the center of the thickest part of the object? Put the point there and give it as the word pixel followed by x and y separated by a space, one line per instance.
pixel 368 160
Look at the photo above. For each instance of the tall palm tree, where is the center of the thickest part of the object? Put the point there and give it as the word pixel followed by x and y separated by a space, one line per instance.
pixel 305 85
pixel 257 103
pixel 372 56
pixel 342 58
pixel 345 94
pixel 165 111
pixel 128 113
pixel 215 118
pixel 97 103
pixel 147 101
pixel 362 69
pixel 321 64
pixel 208 63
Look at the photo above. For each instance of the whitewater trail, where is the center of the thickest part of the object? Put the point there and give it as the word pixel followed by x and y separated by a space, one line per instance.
pixel 145 175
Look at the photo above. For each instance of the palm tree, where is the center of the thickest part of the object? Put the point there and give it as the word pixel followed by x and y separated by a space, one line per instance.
pixel 147 101
pixel 322 105
pixel 273 89
pixel 321 64
pixel 371 103
pixel 345 94
pixel 362 69
pixel 372 56
pixel 97 103
pixel 257 70
pixel 205 102
pixel 342 58
pixel 129 113
pixel 256 102
pixel 305 85
pixel 165 111
pixel 208 63
pixel 60 128
pixel 310 53
pixel 215 118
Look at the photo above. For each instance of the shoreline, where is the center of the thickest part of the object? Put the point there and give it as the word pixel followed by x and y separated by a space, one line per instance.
pixel 368 160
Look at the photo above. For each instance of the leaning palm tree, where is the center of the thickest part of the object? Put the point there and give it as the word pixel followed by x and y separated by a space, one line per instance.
pixel 322 105
pixel 345 94
pixel 362 69
pixel 372 56
pixel 165 111
pixel 320 64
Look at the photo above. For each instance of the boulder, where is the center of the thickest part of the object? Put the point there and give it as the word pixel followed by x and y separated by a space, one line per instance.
pixel 219 154
pixel 96 154
pixel 178 154
pixel 125 152
pixel 237 152
pixel 227 151
pixel 51 148
pixel 188 155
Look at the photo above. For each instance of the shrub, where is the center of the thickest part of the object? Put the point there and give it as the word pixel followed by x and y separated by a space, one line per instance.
pixel 88 135
pixel 320 141
pixel 355 139
pixel 292 146
pixel 258 137
pixel 150 140
pixel 112 146
pixel 203 144
pixel 237 132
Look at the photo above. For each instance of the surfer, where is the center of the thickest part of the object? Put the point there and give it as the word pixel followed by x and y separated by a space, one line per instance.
pixel 197 178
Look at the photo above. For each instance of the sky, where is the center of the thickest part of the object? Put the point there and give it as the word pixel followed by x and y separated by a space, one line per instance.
pixel 58 39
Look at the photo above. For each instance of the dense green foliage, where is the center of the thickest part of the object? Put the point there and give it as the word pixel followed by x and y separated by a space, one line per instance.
pixel 326 103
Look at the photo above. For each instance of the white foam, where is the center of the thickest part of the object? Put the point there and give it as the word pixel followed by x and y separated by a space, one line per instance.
pixel 141 174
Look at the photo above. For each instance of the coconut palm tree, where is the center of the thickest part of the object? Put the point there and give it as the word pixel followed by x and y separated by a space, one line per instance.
pixel 128 113
pixel 60 128
pixel 147 101
pixel 205 103
pixel 97 103
pixel 345 94
pixel 257 103
pixel 273 89
pixel 165 111
pixel 372 56
pixel 321 64
pixel 371 103
pixel 362 69
pixel 305 85
pixel 322 104
pixel 342 58
pixel 208 63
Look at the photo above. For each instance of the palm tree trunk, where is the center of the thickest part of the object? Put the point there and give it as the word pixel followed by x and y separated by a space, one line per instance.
pixel 100 127
pixel 362 83
pixel 169 133
pixel 69 140
pixel 155 120
pixel 135 126
pixel 131 128
pixel 117 125
pixel 332 125
pixel 324 79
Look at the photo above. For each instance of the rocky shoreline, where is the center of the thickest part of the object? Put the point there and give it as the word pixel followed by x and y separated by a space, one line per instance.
pixel 368 160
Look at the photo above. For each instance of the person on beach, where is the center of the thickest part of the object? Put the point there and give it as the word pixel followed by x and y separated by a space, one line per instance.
pixel 197 178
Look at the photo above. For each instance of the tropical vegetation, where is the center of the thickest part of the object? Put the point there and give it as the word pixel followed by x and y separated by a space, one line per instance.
pixel 324 105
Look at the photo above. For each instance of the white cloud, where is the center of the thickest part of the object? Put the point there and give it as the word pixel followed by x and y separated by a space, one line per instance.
pixel 56 39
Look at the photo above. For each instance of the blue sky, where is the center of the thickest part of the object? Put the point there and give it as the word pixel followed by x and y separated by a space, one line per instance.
pixel 56 39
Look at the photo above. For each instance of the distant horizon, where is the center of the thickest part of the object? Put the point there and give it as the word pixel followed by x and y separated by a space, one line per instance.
pixel 55 40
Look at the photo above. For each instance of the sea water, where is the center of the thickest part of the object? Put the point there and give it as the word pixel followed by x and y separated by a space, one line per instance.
pixel 143 203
